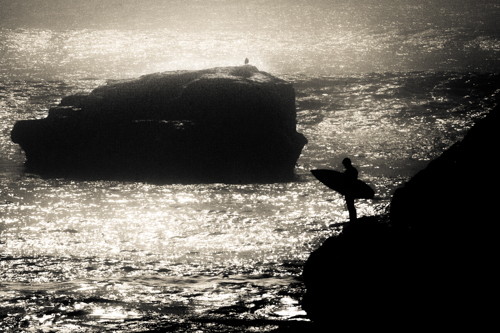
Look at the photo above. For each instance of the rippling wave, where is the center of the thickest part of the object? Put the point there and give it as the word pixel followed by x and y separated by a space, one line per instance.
pixel 101 252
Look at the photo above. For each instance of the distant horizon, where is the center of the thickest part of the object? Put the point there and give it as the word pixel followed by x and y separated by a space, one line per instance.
pixel 119 39
pixel 210 14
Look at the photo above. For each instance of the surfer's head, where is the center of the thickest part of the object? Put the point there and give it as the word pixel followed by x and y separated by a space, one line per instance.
pixel 346 162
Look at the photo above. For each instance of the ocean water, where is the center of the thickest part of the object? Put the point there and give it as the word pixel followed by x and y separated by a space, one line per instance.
pixel 391 86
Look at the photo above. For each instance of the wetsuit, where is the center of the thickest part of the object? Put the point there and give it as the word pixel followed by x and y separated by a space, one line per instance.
pixel 352 174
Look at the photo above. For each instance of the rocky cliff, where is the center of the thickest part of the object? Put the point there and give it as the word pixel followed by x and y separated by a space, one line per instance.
pixel 430 263
pixel 458 191
pixel 229 124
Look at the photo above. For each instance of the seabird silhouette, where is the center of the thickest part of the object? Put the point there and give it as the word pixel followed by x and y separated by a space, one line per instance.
pixel 246 61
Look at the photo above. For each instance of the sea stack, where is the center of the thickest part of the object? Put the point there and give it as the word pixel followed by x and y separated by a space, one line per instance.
pixel 227 124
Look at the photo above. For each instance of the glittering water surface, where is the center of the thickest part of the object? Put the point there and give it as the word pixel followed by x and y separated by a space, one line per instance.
pixel 128 255
pixel 392 90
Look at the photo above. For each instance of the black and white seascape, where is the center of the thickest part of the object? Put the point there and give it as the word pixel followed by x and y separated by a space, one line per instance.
pixel 392 85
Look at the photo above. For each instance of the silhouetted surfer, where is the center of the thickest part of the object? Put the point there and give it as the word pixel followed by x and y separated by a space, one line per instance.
pixel 352 174
pixel 347 184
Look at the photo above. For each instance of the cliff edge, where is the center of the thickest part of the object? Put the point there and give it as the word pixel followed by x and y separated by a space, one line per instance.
pixel 430 263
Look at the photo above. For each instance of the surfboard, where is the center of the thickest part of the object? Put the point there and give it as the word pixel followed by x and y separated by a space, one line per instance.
pixel 338 181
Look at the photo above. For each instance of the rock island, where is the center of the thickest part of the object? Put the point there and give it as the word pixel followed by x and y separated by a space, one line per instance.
pixel 226 124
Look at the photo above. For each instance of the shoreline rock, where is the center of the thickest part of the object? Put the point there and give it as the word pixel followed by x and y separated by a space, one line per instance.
pixel 429 263
pixel 456 189
pixel 227 124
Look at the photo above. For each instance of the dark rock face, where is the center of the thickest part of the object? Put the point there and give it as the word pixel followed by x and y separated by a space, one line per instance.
pixel 456 190
pixel 362 279
pixel 430 263
pixel 231 124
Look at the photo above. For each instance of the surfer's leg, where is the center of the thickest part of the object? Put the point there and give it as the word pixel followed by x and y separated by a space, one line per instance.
pixel 351 208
